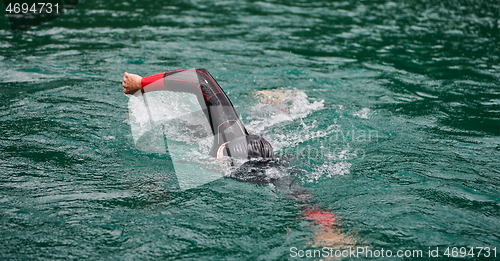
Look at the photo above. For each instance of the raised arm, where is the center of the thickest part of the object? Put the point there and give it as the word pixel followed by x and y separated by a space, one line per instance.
pixel 157 82
pixel 195 81
pixel 217 107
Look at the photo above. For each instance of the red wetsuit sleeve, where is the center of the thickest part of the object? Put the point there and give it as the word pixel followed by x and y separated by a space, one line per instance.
pixel 153 80
pixel 158 82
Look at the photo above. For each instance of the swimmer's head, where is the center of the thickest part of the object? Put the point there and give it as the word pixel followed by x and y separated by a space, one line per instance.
pixel 250 146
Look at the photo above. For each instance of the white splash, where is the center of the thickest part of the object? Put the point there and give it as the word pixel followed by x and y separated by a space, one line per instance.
pixel 285 105
pixel 282 107
pixel 363 113
pixel 330 168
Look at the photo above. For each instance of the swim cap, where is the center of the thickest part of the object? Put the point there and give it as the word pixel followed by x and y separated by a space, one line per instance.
pixel 249 146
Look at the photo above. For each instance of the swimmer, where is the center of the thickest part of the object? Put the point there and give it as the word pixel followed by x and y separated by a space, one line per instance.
pixel 231 139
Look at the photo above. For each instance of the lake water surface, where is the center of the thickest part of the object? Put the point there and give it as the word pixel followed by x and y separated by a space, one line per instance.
pixel 393 123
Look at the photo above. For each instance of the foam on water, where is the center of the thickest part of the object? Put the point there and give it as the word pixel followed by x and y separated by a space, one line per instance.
pixel 294 106
pixel 330 168
pixel 363 113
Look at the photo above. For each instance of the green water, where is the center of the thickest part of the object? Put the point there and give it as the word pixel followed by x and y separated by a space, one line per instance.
pixel 405 148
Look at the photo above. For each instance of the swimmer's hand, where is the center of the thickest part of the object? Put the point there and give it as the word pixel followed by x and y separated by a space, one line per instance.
pixel 131 83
